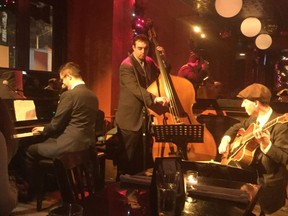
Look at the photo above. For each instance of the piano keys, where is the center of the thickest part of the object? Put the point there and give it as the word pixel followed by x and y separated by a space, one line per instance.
pixel 25 134
pixel 24 123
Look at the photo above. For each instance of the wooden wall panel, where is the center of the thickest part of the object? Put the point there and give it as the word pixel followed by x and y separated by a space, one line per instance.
pixel 99 38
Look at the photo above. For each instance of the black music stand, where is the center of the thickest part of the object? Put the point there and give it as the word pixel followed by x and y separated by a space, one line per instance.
pixel 180 135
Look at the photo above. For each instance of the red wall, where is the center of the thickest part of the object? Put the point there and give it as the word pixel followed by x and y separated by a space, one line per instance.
pixel 89 39
pixel 99 38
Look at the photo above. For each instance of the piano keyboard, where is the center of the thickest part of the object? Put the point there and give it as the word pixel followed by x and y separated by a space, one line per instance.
pixel 26 134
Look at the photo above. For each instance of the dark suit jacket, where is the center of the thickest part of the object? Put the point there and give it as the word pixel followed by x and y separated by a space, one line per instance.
pixel 73 125
pixel 10 199
pixel 132 97
pixel 271 167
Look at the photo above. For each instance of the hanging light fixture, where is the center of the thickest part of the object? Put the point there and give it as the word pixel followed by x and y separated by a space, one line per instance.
pixel 250 27
pixel 228 8
pixel 263 41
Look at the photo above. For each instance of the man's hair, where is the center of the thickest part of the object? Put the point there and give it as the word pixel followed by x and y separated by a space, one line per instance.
pixel 140 37
pixel 193 57
pixel 73 68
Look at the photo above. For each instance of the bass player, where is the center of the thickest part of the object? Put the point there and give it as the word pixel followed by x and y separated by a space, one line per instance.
pixel 271 152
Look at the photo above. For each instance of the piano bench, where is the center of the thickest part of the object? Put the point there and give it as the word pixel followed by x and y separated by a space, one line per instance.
pixel 46 167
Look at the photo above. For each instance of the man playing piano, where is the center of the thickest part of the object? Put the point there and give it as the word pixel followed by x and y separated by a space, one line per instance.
pixel 73 126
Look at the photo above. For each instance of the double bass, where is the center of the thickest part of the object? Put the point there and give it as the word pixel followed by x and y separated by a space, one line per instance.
pixel 181 93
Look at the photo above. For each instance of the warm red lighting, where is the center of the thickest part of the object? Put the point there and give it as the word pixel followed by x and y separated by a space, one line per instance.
pixel 284 33
pixel 225 34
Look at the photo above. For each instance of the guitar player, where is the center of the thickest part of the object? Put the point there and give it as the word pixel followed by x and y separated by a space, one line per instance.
pixel 271 152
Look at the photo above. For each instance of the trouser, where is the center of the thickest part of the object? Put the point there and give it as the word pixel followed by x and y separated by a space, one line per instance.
pixel 31 170
pixel 130 158
pixel 272 198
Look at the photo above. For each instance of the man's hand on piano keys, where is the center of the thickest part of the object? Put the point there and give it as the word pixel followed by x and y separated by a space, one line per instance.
pixel 37 130
pixel 29 134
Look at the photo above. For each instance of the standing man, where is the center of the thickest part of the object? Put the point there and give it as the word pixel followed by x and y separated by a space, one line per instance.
pixel 73 126
pixel 136 73
pixel 271 157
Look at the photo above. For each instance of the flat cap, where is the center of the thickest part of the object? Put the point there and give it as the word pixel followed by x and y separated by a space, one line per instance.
pixel 256 91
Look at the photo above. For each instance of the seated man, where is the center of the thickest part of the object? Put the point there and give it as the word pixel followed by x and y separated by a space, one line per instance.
pixel 270 156
pixel 73 126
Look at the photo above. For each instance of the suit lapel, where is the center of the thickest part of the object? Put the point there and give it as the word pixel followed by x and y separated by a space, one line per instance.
pixel 144 75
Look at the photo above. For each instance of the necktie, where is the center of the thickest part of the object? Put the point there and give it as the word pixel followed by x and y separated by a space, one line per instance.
pixel 142 63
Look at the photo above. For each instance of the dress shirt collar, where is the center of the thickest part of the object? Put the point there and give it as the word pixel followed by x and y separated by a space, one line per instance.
pixel 140 61
pixel 264 119
pixel 77 83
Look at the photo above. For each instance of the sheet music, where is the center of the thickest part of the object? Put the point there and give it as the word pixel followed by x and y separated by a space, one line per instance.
pixel 24 110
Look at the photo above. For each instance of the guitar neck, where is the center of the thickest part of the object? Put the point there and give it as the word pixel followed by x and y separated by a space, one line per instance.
pixel 266 126
pixel 246 156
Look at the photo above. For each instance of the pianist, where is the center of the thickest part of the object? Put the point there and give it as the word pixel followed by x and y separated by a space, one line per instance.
pixel 72 127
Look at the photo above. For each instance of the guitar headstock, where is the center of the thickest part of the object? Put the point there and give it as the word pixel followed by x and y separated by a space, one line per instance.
pixel 283 118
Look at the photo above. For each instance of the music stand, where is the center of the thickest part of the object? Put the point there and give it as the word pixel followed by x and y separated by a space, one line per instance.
pixel 180 135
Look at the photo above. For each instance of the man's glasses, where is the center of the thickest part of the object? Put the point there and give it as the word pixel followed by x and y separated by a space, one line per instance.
pixel 61 80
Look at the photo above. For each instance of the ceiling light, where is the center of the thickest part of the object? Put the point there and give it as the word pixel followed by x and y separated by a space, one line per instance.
pixel 263 41
pixel 196 29
pixel 250 27
pixel 228 8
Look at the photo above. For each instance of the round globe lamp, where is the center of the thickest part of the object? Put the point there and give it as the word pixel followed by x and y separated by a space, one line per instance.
pixel 263 41
pixel 250 27
pixel 228 8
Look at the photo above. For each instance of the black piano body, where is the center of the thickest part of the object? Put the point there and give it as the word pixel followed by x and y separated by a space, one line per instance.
pixel 27 88
pixel 20 85
pixel 45 109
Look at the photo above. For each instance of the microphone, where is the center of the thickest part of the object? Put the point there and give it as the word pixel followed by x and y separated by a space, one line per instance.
pixel 6 83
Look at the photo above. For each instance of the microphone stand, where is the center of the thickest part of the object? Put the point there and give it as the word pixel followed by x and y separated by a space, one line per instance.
pixel 16 91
